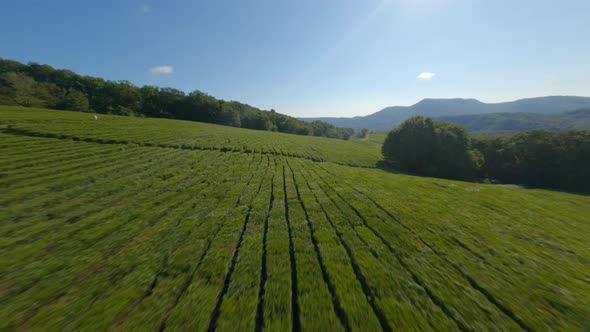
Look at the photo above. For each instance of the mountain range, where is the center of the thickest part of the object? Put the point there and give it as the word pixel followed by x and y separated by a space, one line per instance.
pixel 391 117
pixel 494 124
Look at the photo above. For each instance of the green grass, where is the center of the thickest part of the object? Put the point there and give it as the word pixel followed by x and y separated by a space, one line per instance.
pixel 377 137
pixel 113 225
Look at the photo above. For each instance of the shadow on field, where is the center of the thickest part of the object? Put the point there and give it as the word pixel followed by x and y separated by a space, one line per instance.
pixel 387 167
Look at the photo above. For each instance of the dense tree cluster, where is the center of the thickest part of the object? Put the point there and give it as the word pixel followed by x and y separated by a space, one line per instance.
pixel 537 158
pixel 426 147
pixel 39 85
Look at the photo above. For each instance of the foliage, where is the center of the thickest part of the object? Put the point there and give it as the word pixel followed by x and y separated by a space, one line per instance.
pixel 539 159
pixel 535 158
pixel 36 85
pixel 422 146
pixel 364 133
pixel 19 89
pixel 76 101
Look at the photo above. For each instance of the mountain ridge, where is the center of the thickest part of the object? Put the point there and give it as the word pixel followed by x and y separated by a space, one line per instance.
pixel 506 123
pixel 392 116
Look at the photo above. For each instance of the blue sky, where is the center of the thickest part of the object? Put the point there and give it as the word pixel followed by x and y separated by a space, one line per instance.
pixel 314 57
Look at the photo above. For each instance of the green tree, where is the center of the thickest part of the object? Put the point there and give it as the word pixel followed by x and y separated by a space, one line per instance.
pixel 422 146
pixel 410 147
pixel 40 85
pixel 20 89
pixel 11 66
pixel 256 120
pixel 75 100
pixel 229 114
pixel 150 101
pixel 453 156
pixel 364 133
pixel 538 158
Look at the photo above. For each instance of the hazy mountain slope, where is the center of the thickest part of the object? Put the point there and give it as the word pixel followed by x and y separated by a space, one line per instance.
pixel 392 116
pixel 579 119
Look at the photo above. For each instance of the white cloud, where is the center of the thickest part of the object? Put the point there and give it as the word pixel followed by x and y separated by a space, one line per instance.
pixel 146 9
pixel 425 76
pixel 162 70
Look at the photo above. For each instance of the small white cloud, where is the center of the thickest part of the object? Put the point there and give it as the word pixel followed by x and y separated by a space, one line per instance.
pixel 146 9
pixel 425 76
pixel 162 70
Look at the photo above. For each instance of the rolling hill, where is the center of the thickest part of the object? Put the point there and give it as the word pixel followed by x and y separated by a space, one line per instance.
pixel 187 135
pixel 126 223
pixel 391 117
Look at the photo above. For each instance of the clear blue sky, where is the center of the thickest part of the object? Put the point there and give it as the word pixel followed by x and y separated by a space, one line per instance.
pixel 314 57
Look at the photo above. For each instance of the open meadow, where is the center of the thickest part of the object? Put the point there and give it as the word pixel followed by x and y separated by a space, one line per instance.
pixel 125 223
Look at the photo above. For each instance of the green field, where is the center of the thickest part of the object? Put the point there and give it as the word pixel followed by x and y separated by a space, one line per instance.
pixel 185 135
pixel 143 224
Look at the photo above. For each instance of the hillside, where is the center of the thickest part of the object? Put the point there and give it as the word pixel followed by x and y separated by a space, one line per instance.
pixel 37 85
pixel 184 135
pixel 127 223
pixel 390 117
pixel 516 122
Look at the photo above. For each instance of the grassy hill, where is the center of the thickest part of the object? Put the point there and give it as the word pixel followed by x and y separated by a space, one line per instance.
pixel 183 135
pixel 141 224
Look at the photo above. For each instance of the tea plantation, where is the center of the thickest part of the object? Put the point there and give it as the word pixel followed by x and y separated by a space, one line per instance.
pixel 121 223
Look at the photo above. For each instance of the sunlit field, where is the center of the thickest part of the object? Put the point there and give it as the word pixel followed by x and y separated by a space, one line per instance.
pixel 122 223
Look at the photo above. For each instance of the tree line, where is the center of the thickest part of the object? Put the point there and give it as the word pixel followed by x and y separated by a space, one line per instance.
pixel 37 85
pixel 537 158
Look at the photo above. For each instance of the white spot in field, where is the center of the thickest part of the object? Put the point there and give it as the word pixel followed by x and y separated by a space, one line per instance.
pixel 96 117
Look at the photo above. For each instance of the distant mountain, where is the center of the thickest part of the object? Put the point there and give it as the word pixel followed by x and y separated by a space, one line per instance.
pixel 391 117
pixel 514 122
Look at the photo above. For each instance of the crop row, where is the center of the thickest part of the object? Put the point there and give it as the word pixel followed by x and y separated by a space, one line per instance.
pixel 71 247
pixel 137 238
pixel 184 135
pixel 479 245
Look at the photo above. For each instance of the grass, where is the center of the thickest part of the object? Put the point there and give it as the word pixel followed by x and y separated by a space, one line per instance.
pixel 115 225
